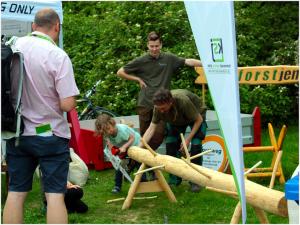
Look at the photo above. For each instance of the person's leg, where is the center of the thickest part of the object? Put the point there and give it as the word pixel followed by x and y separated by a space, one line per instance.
pixel 14 206
pixel 118 182
pixel 21 166
pixel 196 148
pixel 54 163
pixel 145 117
pixel 172 149
pixel 56 208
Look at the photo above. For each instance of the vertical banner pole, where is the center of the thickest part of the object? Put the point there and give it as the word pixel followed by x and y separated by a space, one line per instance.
pixel 213 28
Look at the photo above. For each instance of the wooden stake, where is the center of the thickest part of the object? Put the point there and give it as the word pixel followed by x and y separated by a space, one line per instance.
pixel 201 154
pixel 232 193
pixel 252 168
pixel 139 198
pixel 133 188
pixel 149 169
pixel 185 148
pixel 115 200
pixel 261 215
pixel 195 168
pixel 148 147
pixel 278 158
pixel 237 214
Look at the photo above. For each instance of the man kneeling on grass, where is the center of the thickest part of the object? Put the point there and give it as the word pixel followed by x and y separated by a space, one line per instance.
pixel 179 109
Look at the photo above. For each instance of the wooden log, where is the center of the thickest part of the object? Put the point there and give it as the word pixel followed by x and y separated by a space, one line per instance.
pixel 196 168
pixel 148 147
pixel 272 201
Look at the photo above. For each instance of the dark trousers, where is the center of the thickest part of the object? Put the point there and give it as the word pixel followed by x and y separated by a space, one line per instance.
pixel 173 142
pixel 145 117
pixel 73 201
pixel 118 179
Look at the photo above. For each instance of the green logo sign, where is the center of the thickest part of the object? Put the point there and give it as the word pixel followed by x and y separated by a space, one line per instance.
pixel 217 49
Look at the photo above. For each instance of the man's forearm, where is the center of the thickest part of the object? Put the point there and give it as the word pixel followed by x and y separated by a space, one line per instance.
pixel 193 62
pixel 121 73
pixel 149 133
pixel 195 127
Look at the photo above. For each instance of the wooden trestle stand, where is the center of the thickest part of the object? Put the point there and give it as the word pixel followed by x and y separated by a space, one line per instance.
pixel 259 197
pixel 150 186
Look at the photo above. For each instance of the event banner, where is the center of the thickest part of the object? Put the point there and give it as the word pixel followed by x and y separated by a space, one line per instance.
pixel 26 10
pixel 255 75
pixel 213 28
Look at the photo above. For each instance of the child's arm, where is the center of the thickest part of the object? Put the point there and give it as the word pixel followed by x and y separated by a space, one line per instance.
pixel 109 145
pixel 127 144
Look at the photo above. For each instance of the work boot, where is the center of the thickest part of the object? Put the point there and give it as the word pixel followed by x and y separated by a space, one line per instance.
pixel 152 176
pixel 116 190
pixel 195 188
pixel 174 180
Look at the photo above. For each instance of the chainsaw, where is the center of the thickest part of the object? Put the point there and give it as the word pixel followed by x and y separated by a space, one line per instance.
pixel 116 157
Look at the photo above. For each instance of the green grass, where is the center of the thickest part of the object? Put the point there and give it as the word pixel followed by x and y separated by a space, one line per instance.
pixel 204 207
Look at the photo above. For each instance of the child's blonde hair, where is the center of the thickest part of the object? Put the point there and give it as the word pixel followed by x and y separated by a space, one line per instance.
pixel 102 122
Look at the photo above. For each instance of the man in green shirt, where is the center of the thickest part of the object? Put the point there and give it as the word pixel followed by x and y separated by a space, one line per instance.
pixel 179 109
pixel 153 71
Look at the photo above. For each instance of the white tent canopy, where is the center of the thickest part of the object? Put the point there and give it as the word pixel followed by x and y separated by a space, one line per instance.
pixel 17 16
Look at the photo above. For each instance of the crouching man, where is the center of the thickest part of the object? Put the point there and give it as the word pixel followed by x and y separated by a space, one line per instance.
pixel 179 109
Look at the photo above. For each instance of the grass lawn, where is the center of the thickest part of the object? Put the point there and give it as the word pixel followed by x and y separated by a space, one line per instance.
pixel 204 207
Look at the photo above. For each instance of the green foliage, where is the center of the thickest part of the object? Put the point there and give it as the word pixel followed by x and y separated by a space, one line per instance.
pixel 101 37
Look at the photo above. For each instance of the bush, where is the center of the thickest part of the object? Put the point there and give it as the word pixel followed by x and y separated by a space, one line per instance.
pixel 101 37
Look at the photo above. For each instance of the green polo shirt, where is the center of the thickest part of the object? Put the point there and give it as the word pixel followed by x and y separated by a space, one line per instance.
pixel 156 73
pixel 184 110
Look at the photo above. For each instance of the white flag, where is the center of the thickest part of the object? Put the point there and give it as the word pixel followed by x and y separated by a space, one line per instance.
pixel 214 31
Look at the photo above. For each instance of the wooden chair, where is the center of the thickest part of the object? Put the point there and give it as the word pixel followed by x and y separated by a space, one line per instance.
pixel 276 147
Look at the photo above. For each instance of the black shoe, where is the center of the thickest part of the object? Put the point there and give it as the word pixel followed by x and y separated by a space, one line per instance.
pixel 195 188
pixel 116 190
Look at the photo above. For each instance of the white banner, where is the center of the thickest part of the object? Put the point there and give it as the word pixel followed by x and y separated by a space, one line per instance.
pixel 26 10
pixel 214 32
pixel 16 16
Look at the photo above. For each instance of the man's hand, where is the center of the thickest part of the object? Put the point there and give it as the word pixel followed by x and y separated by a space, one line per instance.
pixel 142 83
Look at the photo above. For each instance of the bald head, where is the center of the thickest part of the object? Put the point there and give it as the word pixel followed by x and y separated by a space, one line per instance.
pixel 46 18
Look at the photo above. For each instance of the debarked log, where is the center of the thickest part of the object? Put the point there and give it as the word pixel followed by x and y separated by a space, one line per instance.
pixel 270 200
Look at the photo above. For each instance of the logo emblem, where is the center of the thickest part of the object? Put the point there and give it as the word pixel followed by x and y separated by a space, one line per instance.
pixel 217 49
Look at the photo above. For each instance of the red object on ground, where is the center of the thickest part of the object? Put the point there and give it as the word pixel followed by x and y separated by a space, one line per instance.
pixel 88 146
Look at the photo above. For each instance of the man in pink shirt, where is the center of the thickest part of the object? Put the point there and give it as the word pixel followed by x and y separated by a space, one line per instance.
pixel 49 90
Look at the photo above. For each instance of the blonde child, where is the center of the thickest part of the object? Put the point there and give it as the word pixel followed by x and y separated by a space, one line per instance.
pixel 118 135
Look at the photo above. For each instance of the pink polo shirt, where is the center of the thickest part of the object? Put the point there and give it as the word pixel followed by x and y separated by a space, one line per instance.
pixel 49 77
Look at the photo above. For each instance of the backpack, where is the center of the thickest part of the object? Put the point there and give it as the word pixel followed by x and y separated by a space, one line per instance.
pixel 11 111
